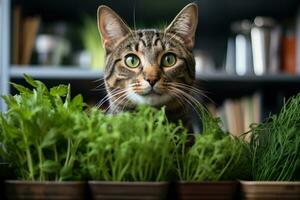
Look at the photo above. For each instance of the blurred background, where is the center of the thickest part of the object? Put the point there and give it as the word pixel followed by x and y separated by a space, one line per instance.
pixel 247 51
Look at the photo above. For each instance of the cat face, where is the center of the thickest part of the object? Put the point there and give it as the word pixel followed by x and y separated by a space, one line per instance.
pixel 148 66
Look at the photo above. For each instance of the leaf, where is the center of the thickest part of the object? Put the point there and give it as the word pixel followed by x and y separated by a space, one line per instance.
pixel 29 80
pixel 77 102
pixel 60 90
pixel 50 166
pixel 49 139
pixel 42 88
pixel 10 100
pixel 21 88
pixel 68 97
pixel 7 129
pixel 66 173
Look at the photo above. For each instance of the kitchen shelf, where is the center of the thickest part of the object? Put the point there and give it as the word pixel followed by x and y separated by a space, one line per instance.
pixel 268 78
pixel 55 72
pixel 215 17
pixel 74 73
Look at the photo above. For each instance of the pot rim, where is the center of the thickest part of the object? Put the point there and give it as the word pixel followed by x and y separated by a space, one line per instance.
pixel 129 182
pixel 44 182
pixel 270 182
pixel 207 182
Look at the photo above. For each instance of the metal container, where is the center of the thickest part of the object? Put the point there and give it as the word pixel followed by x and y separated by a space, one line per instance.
pixel 241 45
pixel 261 44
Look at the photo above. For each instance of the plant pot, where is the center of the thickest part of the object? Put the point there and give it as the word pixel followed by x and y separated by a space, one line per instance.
pixel 104 190
pixel 5 171
pixel 207 190
pixel 34 190
pixel 268 190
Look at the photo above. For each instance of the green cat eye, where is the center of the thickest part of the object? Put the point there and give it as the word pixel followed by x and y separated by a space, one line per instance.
pixel 168 60
pixel 132 61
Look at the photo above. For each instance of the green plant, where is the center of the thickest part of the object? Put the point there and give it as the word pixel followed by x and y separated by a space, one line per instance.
pixel 40 133
pixel 137 146
pixel 214 156
pixel 275 145
pixel 46 135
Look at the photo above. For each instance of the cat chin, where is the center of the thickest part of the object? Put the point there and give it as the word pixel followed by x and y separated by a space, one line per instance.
pixel 150 99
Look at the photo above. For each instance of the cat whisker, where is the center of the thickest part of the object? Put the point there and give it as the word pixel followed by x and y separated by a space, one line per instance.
pixel 133 84
pixel 111 96
pixel 193 89
pixel 115 103
pixel 128 100
pixel 112 103
pixel 115 93
pixel 134 24
pixel 108 96
pixel 97 89
pixel 122 101
pixel 98 80
pixel 190 99
pixel 100 87
pixel 121 93
pixel 190 86
pixel 184 98
pixel 102 84
pixel 178 98
pixel 173 36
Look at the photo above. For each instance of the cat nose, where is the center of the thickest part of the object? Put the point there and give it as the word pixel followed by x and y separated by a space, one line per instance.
pixel 152 80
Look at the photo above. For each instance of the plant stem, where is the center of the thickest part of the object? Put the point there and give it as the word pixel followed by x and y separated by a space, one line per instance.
pixel 68 152
pixel 40 162
pixel 56 159
pixel 28 153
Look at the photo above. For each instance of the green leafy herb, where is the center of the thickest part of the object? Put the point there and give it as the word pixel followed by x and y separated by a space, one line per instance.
pixel 46 135
pixel 136 146
pixel 275 145
pixel 214 156
pixel 40 132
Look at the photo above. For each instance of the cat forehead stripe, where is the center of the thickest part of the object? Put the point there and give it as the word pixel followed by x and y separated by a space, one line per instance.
pixel 149 37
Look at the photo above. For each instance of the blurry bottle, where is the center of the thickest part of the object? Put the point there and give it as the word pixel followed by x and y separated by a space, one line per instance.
pixel 230 56
pixel 52 46
pixel 261 40
pixel 275 49
pixel 297 35
pixel 241 59
pixel 289 51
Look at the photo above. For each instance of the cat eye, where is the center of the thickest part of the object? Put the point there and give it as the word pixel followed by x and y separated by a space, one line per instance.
pixel 132 61
pixel 168 60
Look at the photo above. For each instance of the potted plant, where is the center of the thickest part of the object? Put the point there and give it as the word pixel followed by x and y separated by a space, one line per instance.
pixel 275 147
pixel 130 155
pixel 210 168
pixel 40 138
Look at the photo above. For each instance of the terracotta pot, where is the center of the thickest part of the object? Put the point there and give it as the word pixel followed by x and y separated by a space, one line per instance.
pixel 207 190
pixel 103 190
pixel 265 190
pixel 33 190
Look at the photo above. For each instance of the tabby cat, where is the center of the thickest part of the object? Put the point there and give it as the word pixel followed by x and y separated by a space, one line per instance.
pixel 150 66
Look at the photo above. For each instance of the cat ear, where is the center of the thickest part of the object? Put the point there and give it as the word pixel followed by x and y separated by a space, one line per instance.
pixel 111 27
pixel 185 24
